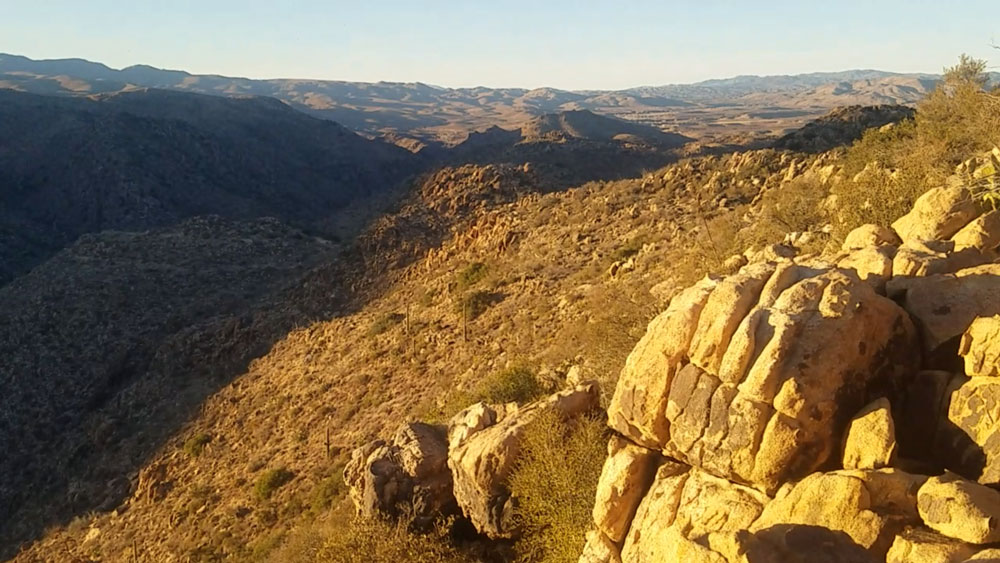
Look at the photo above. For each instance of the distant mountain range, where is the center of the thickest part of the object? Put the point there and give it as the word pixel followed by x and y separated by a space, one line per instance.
pixel 769 104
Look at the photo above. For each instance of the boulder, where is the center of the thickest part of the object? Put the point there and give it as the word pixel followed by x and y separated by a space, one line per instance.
pixel 982 234
pixel 991 555
pixel 599 549
pixel 872 264
pixel 408 474
pixel 627 473
pixel 793 370
pixel 919 545
pixel 970 440
pixel 481 461
pixel 944 306
pixel 687 514
pixel 870 441
pixel 938 215
pixel 871 507
pixel 867 236
pixel 926 258
pixel 960 509
pixel 638 407
pixel 980 347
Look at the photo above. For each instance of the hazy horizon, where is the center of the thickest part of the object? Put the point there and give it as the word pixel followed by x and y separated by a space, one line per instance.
pixel 443 86
pixel 513 44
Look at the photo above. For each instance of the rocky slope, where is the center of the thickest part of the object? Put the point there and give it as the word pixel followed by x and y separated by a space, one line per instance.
pixel 144 159
pixel 836 408
pixel 112 344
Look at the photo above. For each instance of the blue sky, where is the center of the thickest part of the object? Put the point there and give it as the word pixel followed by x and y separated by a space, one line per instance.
pixel 574 45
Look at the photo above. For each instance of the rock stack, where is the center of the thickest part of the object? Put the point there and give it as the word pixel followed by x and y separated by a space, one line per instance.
pixel 845 409
pixel 428 471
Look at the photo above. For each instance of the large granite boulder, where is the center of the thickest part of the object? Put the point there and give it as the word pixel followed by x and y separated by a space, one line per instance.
pixel 405 475
pixel 919 545
pixel 482 460
pixel 938 214
pixel 780 357
pixel 943 306
pixel 980 347
pixel 688 515
pixel 871 507
pixel 961 509
pixel 870 440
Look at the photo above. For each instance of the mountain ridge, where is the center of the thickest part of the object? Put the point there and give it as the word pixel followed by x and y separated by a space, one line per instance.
pixel 749 104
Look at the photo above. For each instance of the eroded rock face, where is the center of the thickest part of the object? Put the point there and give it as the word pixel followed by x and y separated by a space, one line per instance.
pixel 961 509
pixel 781 355
pixel 407 474
pixel 599 549
pixel 627 474
pixel 686 510
pixel 638 407
pixel 482 460
pixel 796 366
pixel 938 215
pixel 982 233
pixel 870 441
pixel 930 257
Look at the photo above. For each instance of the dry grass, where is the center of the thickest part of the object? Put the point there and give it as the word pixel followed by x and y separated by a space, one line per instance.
pixel 555 481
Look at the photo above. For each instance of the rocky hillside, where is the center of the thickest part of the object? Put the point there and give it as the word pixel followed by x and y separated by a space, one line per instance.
pixel 841 127
pixel 837 407
pixel 145 159
pixel 113 343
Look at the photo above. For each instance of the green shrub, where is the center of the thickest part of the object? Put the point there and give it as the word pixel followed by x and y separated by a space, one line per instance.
pixel 894 166
pixel 385 322
pixel 513 385
pixel 328 490
pixel 474 303
pixel 271 481
pixel 628 250
pixel 196 444
pixel 470 276
pixel 555 481
pixel 378 541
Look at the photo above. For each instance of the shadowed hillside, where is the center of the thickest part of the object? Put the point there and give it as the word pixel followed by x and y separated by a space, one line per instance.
pixel 144 159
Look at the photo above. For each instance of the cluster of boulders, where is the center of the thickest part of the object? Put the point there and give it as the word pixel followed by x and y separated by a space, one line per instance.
pixel 844 408
pixel 426 471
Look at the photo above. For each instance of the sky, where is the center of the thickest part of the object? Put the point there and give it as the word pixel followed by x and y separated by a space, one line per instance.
pixel 505 43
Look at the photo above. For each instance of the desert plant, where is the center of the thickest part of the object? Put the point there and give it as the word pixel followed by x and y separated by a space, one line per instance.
pixel 470 276
pixel 194 445
pixel 385 322
pixel 328 490
pixel 516 384
pixel 270 481
pixel 377 541
pixel 555 481
pixel 891 167
pixel 474 303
